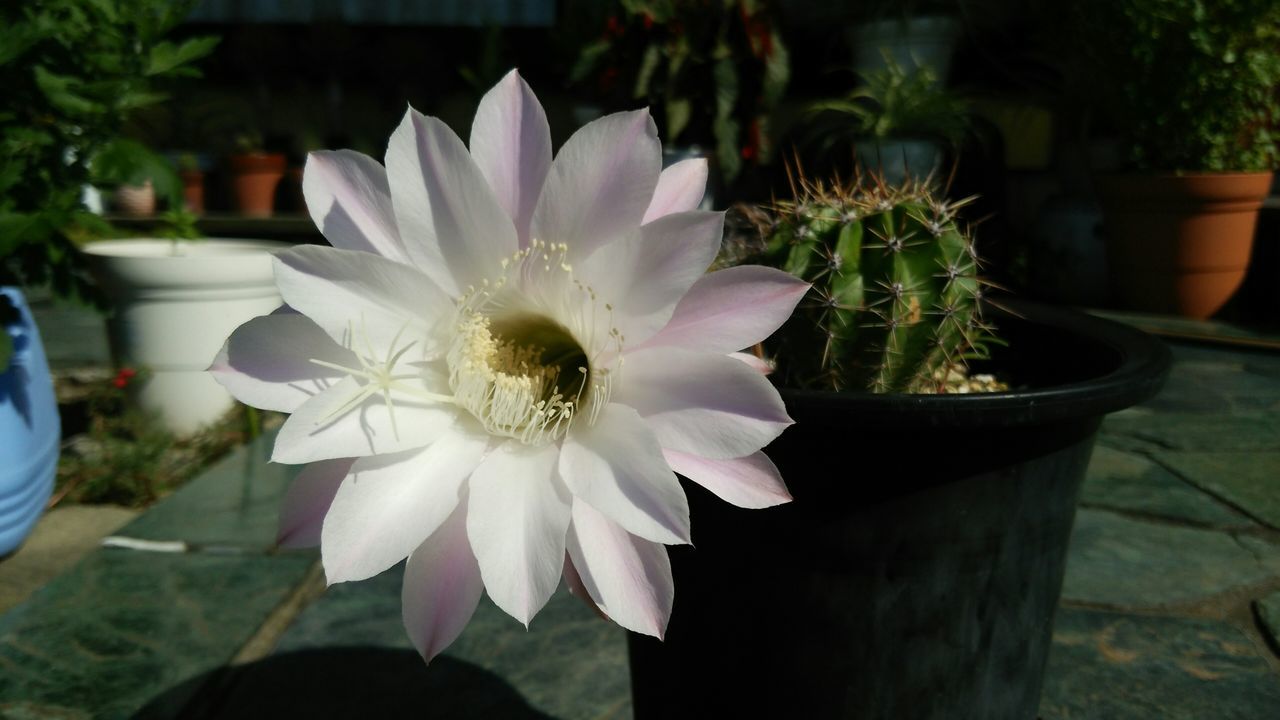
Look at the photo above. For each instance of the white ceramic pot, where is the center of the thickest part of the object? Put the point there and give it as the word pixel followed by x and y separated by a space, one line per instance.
pixel 926 41
pixel 175 304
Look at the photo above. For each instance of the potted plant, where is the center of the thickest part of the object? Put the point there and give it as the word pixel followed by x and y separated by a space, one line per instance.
pixel 255 174
pixel 175 298
pixel 915 34
pixel 901 123
pixel 1181 212
pixel 712 72
pixel 917 569
pixel 72 72
pixel 192 176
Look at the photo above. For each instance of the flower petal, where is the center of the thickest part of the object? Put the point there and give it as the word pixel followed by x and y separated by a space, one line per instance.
pixel 573 583
pixel 680 188
pixel 511 144
pixel 731 309
pixel 442 586
pixel 754 362
pixel 355 293
pixel 323 428
pixel 307 500
pixel 616 465
pixel 454 228
pixel 748 482
pixel 646 273
pixel 266 362
pixel 708 405
pixel 629 578
pixel 349 200
pixel 518 517
pixel 600 183
pixel 387 505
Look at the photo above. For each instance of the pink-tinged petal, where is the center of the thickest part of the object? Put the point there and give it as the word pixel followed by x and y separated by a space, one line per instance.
pixel 646 273
pixel 349 200
pixel 701 403
pixel 361 300
pixel 731 309
pixel 600 183
pixel 748 482
pixel 573 583
pixel 511 143
pixel 387 505
pixel 442 587
pixel 307 500
pixel 266 362
pixel 680 188
pixel 754 362
pixel 518 517
pixel 324 428
pixel 616 465
pixel 453 227
pixel 629 578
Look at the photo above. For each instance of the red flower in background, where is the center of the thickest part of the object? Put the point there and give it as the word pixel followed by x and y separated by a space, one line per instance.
pixel 123 377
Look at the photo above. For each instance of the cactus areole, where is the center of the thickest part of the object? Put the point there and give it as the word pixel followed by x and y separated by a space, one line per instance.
pixel 895 304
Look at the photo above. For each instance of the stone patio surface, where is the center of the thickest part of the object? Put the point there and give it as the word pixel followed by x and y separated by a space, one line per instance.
pixel 1170 610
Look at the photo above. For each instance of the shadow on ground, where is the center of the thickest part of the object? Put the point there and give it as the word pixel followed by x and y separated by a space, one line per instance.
pixel 343 683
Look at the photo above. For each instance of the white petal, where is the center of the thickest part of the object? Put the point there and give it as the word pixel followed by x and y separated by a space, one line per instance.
pixel 600 183
pixel 731 309
pixel 362 301
pixel 307 500
pixel 629 578
pixel 442 587
pixel 617 466
pixel 387 505
pixel 754 362
pixel 519 513
pixel 680 188
pixel 511 143
pixel 645 274
pixel 749 482
pixel 453 227
pixel 573 583
pixel 349 200
pixel 708 405
pixel 322 428
pixel 266 362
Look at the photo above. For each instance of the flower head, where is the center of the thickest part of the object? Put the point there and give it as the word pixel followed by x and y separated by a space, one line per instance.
pixel 502 362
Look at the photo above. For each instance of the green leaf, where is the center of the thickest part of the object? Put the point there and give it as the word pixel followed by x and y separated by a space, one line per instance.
pixel 678 113
pixel 6 350
pixel 61 92
pixel 167 58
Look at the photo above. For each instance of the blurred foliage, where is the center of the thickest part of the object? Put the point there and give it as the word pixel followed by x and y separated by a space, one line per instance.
pixel 891 103
pixel 711 72
pixel 72 72
pixel 126 457
pixel 1190 84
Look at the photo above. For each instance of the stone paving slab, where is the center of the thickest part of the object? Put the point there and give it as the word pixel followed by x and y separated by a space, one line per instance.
pixel 569 664
pixel 1267 610
pixel 1190 431
pixel 1121 562
pixel 1132 483
pixel 1248 480
pixel 1127 667
pixel 103 639
pixel 236 502
pixel 60 538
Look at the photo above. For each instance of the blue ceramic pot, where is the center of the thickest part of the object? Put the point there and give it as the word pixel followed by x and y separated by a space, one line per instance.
pixel 29 428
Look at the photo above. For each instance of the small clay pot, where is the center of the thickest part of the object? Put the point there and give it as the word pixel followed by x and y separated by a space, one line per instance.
pixel 192 190
pixel 135 200
pixel 1180 244
pixel 254 177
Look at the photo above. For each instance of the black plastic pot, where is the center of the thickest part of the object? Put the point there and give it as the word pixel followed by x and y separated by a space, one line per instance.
pixel 917 571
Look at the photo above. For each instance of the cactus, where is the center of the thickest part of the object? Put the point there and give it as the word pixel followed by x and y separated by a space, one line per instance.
pixel 895 304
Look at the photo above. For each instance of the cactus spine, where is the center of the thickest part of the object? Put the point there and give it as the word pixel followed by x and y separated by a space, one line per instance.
pixel 895 305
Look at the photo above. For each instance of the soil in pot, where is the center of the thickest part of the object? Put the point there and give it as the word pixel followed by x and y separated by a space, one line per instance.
pixel 1180 244
pixel 917 571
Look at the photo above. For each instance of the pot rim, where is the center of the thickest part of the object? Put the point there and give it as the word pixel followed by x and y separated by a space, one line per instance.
pixel 141 249
pixel 1142 367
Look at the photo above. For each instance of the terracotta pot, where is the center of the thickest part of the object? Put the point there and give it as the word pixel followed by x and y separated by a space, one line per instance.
pixel 254 177
pixel 135 200
pixel 192 190
pixel 1180 243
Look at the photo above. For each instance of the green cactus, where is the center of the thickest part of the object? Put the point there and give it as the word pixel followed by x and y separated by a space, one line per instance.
pixel 895 304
